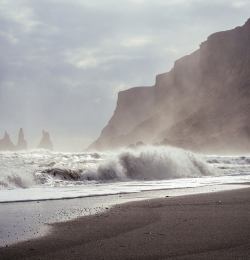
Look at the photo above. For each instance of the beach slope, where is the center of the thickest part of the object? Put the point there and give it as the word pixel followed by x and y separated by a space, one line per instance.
pixel 203 226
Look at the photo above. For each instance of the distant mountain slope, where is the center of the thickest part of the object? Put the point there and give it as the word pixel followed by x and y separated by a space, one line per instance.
pixel 202 104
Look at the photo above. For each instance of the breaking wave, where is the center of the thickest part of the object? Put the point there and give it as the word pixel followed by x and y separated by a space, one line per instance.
pixel 36 168
pixel 154 163
pixel 147 163
pixel 11 180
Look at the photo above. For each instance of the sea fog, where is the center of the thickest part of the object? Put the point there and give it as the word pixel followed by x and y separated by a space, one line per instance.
pixel 44 175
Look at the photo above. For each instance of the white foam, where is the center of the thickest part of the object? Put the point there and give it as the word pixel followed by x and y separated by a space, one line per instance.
pixel 154 163
pixel 40 174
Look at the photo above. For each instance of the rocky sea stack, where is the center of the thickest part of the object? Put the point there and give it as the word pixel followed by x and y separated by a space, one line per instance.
pixel 6 144
pixel 202 104
pixel 45 142
pixel 21 144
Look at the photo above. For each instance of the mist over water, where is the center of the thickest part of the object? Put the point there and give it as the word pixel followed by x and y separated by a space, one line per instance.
pixel 41 174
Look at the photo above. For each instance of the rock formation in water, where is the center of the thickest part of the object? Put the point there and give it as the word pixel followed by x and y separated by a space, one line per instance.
pixel 21 143
pixel 45 142
pixel 6 144
pixel 202 104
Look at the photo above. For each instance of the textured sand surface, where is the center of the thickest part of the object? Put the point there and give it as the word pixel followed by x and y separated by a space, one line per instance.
pixel 202 226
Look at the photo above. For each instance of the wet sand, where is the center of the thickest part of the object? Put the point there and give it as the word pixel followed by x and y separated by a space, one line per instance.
pixel 203 226
pixel 21 221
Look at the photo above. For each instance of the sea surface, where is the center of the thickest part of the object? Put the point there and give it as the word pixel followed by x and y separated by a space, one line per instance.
pixel 39 175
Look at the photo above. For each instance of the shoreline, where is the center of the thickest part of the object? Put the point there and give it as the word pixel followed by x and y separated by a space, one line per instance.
pixel 125 214
pixel 23 221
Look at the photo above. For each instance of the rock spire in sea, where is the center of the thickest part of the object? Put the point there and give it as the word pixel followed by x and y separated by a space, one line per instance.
pixel 6 144
pixel 21 144
pixel 45 142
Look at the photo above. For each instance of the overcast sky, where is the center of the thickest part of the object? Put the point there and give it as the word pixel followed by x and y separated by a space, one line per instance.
pixel 64 61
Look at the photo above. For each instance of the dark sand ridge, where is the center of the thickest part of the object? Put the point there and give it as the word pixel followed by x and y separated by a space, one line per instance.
pixel 203 226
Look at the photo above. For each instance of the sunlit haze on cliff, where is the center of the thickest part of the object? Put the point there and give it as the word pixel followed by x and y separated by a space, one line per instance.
pixel 63 62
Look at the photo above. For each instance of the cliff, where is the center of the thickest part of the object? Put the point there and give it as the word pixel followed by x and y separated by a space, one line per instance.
pixel 202 104
pixel 133 107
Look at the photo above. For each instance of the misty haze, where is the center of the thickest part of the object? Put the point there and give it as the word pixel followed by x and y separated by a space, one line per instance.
pixel 124 129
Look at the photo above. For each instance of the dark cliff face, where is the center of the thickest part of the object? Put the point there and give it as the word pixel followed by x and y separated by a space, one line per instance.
pixel 133 107
pixel 202 104
pixel 221 124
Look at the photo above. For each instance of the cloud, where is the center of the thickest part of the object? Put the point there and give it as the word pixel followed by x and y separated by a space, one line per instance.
pixel 63 62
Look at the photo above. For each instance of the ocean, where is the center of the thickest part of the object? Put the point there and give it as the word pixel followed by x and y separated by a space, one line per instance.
pixel 40 187
pixel 44 175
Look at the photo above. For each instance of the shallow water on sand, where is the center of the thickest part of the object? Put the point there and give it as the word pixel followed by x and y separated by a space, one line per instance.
pixel 27 220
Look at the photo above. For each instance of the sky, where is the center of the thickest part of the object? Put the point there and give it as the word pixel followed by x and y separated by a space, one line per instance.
pixel 63 62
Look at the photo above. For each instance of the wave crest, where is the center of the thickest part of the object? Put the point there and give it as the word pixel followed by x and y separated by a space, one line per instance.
pixel 146 163
pixel 154 163
pixel 12 181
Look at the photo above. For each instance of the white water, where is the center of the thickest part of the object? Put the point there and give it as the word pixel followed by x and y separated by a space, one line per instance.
pixel 44 175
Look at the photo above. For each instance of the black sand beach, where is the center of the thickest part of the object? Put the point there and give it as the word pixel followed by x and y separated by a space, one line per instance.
pixel 203 226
